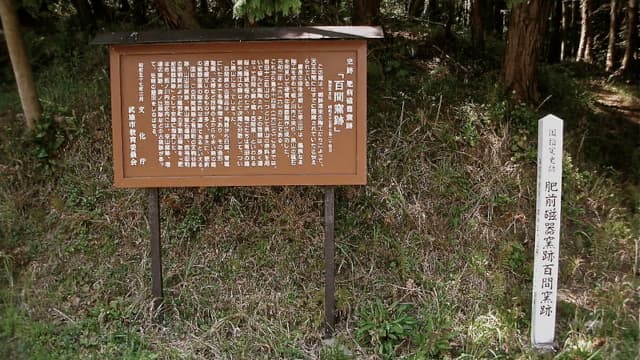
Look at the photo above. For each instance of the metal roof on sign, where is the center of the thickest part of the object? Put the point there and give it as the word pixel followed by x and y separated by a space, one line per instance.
pixel 242 34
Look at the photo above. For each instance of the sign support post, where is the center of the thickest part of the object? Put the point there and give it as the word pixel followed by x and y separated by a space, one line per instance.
pixel 240 107
pixel 329 263
pixel 547 242
pixel 156 256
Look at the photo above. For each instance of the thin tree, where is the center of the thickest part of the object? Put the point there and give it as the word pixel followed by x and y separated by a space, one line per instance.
pixel 499 9
pixel 631 36
pixel 20 62
pixel 527 26
pixel 566 23
pixel 574 32
pixel 555 38
pixel 204 6
pixel 585 49
pixel 478 25
pixel 481 13
pixel 613 34
pixel 451 18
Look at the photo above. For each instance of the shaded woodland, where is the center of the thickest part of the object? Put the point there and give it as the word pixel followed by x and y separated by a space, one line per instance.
pixel 434 255
pixel 595 32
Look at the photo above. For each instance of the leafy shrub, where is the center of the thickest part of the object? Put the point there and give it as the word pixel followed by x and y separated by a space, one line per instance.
pixel 384 328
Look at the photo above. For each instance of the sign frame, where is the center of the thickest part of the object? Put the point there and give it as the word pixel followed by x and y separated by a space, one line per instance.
pixel 357 177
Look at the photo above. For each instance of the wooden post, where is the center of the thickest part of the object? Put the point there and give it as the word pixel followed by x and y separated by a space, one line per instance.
pixel 547 243
pixel 156 254
pixel 329 264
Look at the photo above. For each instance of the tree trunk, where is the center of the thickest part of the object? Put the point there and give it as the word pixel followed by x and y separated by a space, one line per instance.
pixel 488 16
pixel 204 6
pixel 631 36
pixel 331 12
pixel 613 34
pixel 482 18
pixel 566 20
pixel 555 40
pixel 527 26
pixel 477 25
pixel 178 14
pixel 140 12
pixel 20 62
pixel 575 34
pixel 124 6
pixel 499 8
pixel 87 20
pixel 415 8
pixel 365 12
pixel 433 10
pixel 586 38
pixel 464 13
pixel 451 18
pixel 100 10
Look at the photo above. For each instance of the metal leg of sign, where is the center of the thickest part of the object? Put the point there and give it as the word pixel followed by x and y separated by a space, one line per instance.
pixel 156 258
pixel 329 264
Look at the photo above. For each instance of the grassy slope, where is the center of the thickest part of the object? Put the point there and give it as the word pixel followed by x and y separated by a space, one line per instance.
pixel 436 250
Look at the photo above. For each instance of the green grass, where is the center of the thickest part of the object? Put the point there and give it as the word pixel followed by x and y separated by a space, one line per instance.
pixel 102 333
pixel 433 256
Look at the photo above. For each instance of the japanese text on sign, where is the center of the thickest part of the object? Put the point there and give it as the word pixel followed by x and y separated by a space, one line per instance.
pixel 244 113
pixel 547 243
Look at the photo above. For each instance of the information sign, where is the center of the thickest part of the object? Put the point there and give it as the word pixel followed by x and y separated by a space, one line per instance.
pixel 547 246
pixel 239 113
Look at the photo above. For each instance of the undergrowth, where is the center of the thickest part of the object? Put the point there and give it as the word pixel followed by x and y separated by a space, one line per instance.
pixel 434 255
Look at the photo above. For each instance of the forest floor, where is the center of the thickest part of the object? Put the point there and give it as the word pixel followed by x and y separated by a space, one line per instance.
pixel 618 102
pixel 434 255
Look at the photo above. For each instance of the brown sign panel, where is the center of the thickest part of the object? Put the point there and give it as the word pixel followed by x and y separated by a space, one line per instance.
pixel 239 113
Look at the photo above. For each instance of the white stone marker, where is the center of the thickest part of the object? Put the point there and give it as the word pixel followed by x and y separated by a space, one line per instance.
pixel 547 247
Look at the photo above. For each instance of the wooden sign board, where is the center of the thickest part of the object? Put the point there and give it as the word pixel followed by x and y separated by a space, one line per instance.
pixel 547 243
pixel 239 113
